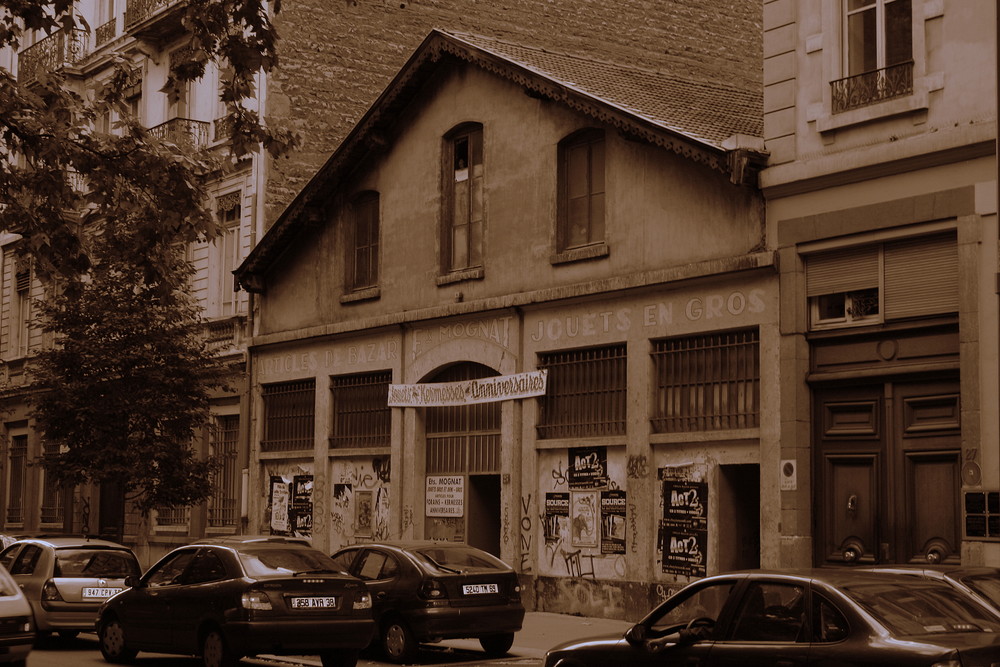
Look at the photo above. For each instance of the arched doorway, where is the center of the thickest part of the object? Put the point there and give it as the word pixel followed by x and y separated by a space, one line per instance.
pixel 464 443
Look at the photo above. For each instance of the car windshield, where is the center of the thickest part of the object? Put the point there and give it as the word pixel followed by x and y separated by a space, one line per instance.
pixel 453 559
pixel 987 585
pixel 269 562
pixel 913 608
pixel 78 562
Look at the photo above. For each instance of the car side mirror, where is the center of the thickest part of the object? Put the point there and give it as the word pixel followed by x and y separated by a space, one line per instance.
pixel 133 581
pixel 636 635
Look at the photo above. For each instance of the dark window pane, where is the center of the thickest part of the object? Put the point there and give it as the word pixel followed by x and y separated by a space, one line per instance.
pixel 898 32
pixel 862 55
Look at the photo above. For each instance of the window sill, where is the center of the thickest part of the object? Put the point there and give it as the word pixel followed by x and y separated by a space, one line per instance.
pixel 913 103
pixel 368 294
pixel 595 251
pixel 476 273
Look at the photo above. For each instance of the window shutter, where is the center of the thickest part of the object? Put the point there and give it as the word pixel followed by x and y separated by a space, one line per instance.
pixel 844 270
pixel 921 277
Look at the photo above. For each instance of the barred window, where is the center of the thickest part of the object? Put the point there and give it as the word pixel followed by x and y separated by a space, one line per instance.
pixel 172 516
pixel 361 413
pixel 224 445
pixel 53 500
pixel 17 477
pixel 708 382
pixel 586 393
pixel 289 415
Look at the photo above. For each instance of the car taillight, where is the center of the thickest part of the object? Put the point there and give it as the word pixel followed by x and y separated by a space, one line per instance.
pixel 50 593
pixel 363 601
pixel 515 592
pixel 433 590
pixel 257 600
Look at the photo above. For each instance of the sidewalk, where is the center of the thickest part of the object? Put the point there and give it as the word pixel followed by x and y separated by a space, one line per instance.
pixel 540 632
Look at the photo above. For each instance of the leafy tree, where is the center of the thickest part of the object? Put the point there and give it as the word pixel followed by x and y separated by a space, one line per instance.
pixel 102 215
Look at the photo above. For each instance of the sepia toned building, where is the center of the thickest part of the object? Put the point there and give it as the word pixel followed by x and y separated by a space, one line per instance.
pixel 880 122
pixel 557 264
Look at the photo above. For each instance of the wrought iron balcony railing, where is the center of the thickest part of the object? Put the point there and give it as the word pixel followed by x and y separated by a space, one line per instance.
pixel 105 32
pixel 63 49
pixel 865 89
pixel 183 132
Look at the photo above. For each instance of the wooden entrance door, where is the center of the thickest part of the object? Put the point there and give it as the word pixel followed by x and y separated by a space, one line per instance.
pixel 887 463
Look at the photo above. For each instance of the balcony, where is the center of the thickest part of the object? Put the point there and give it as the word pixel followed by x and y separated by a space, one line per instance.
pixel 63 49
pixel 224 335
pixel 184 132
pixel 869 88
pixel 105 33
pixel 154 20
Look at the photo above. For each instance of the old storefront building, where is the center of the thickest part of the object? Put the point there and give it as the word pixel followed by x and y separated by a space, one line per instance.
pixel 880 122
pixel 556 267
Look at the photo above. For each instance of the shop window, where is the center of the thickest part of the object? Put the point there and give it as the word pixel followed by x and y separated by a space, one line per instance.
pixel 707 382
pixel 463 213
pixel 289 415
pixel 586 393
pixel 224 445
pixel 361 413
pixel 906 278
pixel 581 190
pixel 878 53
pixel 16 478
pixel 363 243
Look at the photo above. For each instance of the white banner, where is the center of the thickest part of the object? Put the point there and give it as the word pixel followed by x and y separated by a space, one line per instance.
pixel 483 390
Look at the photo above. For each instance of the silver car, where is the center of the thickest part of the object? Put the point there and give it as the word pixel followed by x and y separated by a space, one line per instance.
pixel 16 631
pixel 65 579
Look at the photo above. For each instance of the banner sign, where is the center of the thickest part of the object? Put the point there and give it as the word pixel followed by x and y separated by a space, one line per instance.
pixel 468 392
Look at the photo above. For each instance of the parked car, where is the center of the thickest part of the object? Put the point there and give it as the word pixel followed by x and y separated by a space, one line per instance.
pixel 66 578
pixel 226 601
pixel 982 583
pixel 429 591
pixel 816 617
pixel 17 633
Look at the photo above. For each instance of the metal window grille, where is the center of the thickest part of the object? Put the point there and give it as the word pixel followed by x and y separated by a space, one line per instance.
pixel 463 439
pixel 17 478
pixel 53 500
pixel 289 415
pixel 361 414
pixel 172 516
pixel 708 382
pixel 225 442
pixel 586 393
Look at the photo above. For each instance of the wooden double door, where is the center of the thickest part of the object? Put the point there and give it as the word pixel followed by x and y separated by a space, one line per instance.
pixel 887 461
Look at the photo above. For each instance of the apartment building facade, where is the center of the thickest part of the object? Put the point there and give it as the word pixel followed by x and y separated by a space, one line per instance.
pixel 880 120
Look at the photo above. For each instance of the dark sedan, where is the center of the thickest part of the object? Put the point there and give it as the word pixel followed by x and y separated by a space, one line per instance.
pixel 225 601
pixel 817 617
pixel 982 583
pixel 429 591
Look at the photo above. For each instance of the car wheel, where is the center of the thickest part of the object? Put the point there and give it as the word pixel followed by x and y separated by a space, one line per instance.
pixel 112 642
pixel 398 641
pixel 344 658
pixel 497 645
pixel 215 652
pixel 68 634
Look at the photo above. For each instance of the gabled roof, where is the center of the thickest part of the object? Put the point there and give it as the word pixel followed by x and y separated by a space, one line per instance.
pixel 708 122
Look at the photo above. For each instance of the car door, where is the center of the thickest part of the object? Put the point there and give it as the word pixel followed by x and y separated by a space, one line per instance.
pixel 198 597
pixel 148 618
pixel 769 627
pixel 380 570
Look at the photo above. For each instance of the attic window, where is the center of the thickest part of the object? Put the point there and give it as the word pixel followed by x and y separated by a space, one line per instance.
pixel 462 235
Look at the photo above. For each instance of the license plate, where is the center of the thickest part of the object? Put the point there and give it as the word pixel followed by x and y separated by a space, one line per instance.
pixel 100 592
pixel 479 589
pixel 314 603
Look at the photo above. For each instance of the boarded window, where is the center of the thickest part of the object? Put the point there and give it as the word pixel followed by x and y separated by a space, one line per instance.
pixel 289 415
pixel 586 394
pixel 708 382
pixel 361 413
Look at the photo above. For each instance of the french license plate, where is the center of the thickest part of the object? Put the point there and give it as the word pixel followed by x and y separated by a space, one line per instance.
pixel 314 603
pixel 101 593
pixel 479 589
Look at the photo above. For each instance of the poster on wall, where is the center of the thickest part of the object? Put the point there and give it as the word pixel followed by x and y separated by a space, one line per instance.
pixel 279 502
pixel 301 513
pixel 613 522
pixel 684 526
pixel 364 511
pixel 445 495
pixel 584 525
pixel 587 468
pixel 556 516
